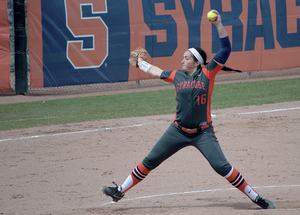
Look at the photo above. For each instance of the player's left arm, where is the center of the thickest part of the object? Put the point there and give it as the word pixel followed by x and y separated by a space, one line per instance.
pixel 223 54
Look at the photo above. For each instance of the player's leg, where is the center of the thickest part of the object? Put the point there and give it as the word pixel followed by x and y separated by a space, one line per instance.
pixel 208 145
pixel 237 180
pixel 172 141
pixel 210 148
pixel 167 145
pixel 136 176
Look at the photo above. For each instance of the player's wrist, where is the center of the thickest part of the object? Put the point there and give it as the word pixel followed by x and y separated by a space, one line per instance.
pixel 221 30
pixel 144 66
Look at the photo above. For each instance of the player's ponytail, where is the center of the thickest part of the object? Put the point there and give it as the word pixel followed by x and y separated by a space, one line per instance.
pixel 204 57
pixel 225 68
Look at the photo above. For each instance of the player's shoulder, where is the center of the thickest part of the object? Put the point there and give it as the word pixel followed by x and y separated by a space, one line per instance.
pixel 169 75
pixel 173 71
pixel 211 65
pixel 211 69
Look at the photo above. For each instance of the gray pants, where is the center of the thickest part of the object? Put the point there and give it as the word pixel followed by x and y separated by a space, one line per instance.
pixel 175 139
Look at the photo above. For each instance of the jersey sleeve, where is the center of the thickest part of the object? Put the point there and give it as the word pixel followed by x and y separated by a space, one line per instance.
pixel 223 54
pixel 211 69
pixel 168 75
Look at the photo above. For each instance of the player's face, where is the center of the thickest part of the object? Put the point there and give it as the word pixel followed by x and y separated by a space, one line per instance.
pixel 188 63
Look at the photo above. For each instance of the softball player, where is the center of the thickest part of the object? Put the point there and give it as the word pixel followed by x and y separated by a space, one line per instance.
pixel 192 125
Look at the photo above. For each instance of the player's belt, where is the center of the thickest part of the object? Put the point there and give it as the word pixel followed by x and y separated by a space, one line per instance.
pixel 193 130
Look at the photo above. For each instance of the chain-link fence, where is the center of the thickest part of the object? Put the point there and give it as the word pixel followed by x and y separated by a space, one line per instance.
pixel 153 82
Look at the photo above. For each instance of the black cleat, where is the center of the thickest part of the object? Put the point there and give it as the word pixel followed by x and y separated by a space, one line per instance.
pixel 264 203
pixel 114 192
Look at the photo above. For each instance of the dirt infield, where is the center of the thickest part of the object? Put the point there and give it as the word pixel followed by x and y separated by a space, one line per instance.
pixel 60 169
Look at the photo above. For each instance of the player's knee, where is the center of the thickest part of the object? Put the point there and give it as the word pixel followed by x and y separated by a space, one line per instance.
pixel 150 164
pixel 222 168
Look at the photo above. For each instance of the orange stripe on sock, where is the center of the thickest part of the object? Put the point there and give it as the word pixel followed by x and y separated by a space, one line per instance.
pixel 233 175
pixel 136 180
pixel 237 180
pixel 143 169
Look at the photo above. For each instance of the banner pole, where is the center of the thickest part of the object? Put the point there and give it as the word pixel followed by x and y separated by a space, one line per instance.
pixel 21 79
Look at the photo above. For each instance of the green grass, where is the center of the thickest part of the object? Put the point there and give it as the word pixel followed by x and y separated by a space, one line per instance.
pixel 61 111
pixel 255 93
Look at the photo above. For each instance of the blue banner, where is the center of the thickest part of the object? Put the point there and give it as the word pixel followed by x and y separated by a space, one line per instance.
pixel 75 42
pixel 59 68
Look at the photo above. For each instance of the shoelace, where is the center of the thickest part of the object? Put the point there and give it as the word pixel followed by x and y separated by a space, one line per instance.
pixel 117 186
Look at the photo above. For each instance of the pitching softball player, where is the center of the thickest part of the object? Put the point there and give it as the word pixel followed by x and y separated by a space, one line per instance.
pixel 192 125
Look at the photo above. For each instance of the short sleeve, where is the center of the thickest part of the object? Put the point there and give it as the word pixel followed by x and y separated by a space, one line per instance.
pixel 168 75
